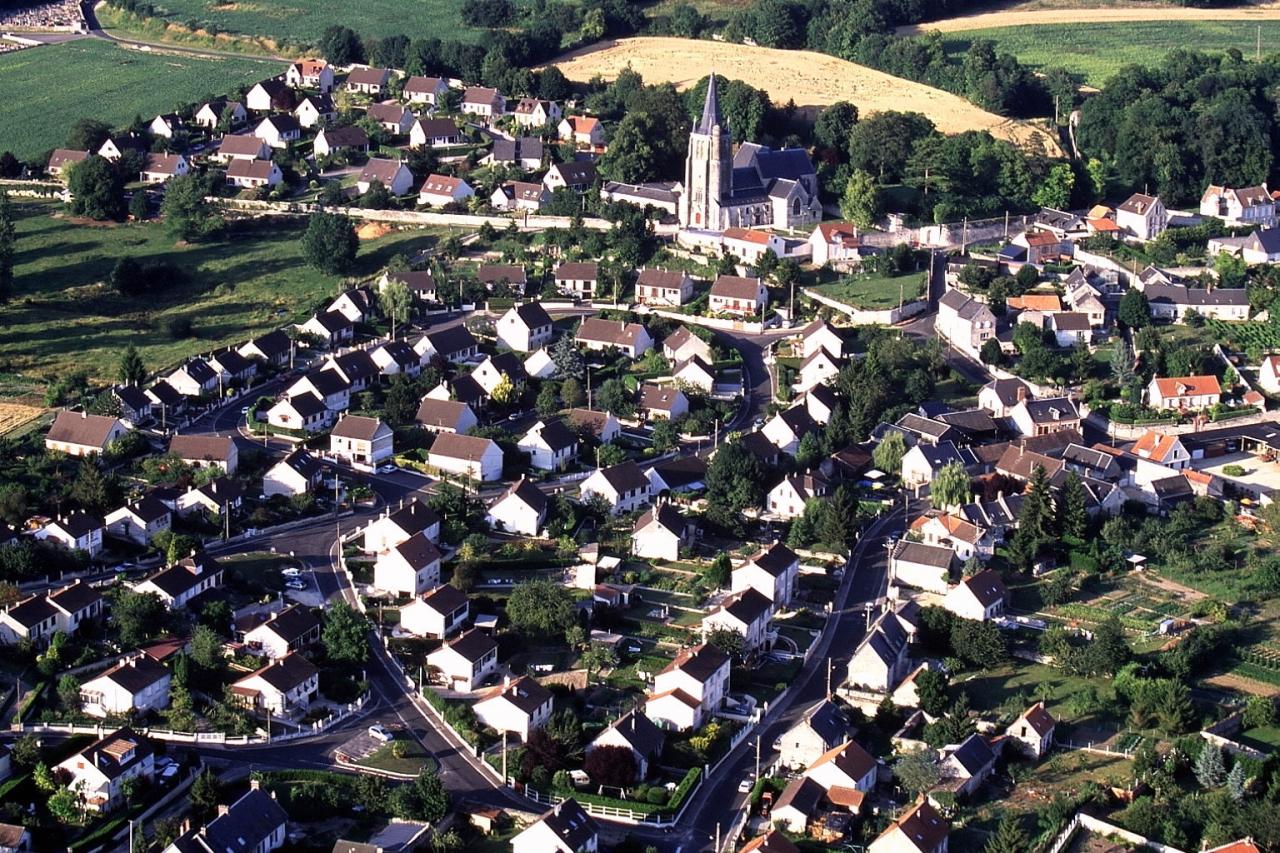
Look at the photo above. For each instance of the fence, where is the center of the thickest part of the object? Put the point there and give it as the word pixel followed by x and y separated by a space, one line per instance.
pixel 748 326
pixel 863 317
pixel 1101 827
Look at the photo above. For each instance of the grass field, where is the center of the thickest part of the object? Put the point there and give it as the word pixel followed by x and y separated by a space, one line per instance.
pixel 93 79
pixel 62 317
pixel 875 293
pixel 1097 50
pixel 807 78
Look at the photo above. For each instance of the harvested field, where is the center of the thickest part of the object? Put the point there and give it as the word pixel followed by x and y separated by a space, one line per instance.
pixel 1234 681
pixel 14 415
pixel 1026 14
pixel 810 79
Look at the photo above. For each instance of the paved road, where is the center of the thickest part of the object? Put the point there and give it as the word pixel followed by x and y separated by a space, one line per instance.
pixel 96 30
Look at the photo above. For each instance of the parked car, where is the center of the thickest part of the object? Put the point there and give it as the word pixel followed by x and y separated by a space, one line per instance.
pixel 380 732
pixel 291 572
pixel 295 583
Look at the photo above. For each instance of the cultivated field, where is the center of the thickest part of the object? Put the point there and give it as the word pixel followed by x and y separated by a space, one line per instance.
pixel 63 318
pixel 810 79
pixel 1097 50
pixel 45 89
pixel 1040 13
pixel 14 415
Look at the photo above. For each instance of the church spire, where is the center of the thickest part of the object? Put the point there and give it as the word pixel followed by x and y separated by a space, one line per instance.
pixel 710 108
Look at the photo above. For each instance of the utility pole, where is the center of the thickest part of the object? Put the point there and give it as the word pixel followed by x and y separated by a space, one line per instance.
pixel 226 520
pixel 504 758
pixel 757 776
pixel 717 836
pixel 828 679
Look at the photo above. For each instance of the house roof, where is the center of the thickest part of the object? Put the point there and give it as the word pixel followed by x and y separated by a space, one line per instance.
pixel 76 596
pixel 12 834
pixel 382 170
pixel 827 721
pixel 987 587
pixel 240 145
pixel 578 271
pixel 81 428
pixel 452 445
pixel 1050 409
pixel 345 137
pixel 148 508
pixel 162 164
pixel 528 494
pixel 1138 203
pixel 445 599
pixel 1155 446
pixel 115 753
pixel 736 287
pixel 957 528
pixel 624 477
pixel 640 732
pixel 612 332
pixel 292 624
pixel 473 645
pixel 388 113
pixel 554 434
pixel 418 550
pixel 665 516
pixel 577 173
pixel 286 673
pixel 523 692
pixel 773 559
pixel 498 273
pixel 32 611
pixel 444 185
pixel 973 754
pixel 282 123
pixel 1071 321
pixel 668 280
pixel 451 341
pixel 245 827
pixel 573 826
pixel 63 156
pixel 369 76
pixel 851 759
pixel 1181 386
pixel 79 523
pixel 433 412
pixel 131 397
pixel 136 674
pixel 659 398
pixel 1018 462
pixel 922 554
pixel 803 795
pixel 479 95
pixel 681 471
pixel 533 315
pixel 1040 720
pixel 438 128
pixel 700 662
pixel 417 83
pixel 583 124
pixel 922 826
pixel 359 428
pixel 747 606
pixel 590 419
pixel 1006 390
pixel 414 517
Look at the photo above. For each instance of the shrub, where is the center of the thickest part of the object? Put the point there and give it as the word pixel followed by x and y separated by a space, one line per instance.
pixel 180 327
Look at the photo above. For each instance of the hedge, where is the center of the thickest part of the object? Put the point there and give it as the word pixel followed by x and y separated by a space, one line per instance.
pixel 672 804
pixel 30 701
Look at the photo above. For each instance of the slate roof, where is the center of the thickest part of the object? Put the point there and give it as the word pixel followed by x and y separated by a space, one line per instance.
pixel 533 315
pixel 682 471
pixel 454 446
pixel 418 550
pixel 974 754
pixel 852 760
pixel 571 824
pixel 445 599
pixel 414 517
pixel 922 554
pixel 802 794
pixel 747 606
pixel 554 434
pixel 774 559
pixel 1195 297
pixel 528 494
pixel 440 413
pixel 32 612
pixel 358 428
pixel 435 128
pixel 523 692
pixel 827 721
pixel 292 624
pixel 248 823
pixel 625 476
pixel 136 674
pixel 117 752
pixel 346 137
pixel 473 645
pixel 285 673
pixel 75 596
pixel 700 662
pixel 452 340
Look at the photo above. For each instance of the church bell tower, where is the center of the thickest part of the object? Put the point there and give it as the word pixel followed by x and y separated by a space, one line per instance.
pixel 708 167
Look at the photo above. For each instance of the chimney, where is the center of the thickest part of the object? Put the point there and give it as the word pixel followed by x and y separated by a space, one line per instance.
pixel 254 784
pixel 84 415
pixel 222 810
pixel 1022 392
pixel 506 680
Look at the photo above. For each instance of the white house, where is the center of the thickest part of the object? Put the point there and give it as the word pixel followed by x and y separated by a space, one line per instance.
pixel 847 766
pixel 255 823
pixel 278 131
pixel 922 566
pixel 485 103
pixel 391 117
pixel 361 441
pixel 566 828
pixel 603 425
pixel 695 373
pixel 661 402
pixel 598 334
pixel 817 369
pixel 1032 733
pixel 578 278
pixel 397 526
pixel 310 74
pixel 251 174
pixel 332 140
pixel 445 416
pixel 880 661
pixel 1163 449
pixel 582 131
pixel 304 411
pixel 952 531
pixel 368 81
pixel 392 174
pixel 78 531
pixel 465 663
pixel 408 568
pixel 525 327
pixel 285 687
pixel 293 629
pixel 633 731
pixel 477 458
pixel 32 619
pixel 1046 415
pixel 1239 206
pixel 732 294
pixel 158 168
pixel 797 806
pixel 533 112
pixel 660 533
pixel 440 190
pixel 1269 374
pixel 521 509
pixel 1142 216
pixel 964 321
pixel 82 434
pixel 980 597
pixel 178 584
pixel 920 830
pixel 518 707
pixel 745 613
pixel 822 728
pixel 623 487
pixel 73 605
pixel 965 766
pixel 297 474
pixel 818 336
pixel 99 771
pixel 551 445
pixel 1000 396
pixel 788 499
pixel 788 427
pixel 140 520
pixel 425 90
pixel 663 287
pixel 1184 392
pixel 136 685
pixel 771 571
pixel 439 613
pixel 434 133
pixel 689 689
pixel 207 451
pixel 835 243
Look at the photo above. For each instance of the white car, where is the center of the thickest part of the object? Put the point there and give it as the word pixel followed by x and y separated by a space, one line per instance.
pixel 388 469
pixel 291 572
pixel 379 732
pixel 745 786
pixel 295 583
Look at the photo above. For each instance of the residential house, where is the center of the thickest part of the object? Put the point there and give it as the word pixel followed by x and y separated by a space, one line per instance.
pixel 1175 302
pixel 1070 328
pixel 99 772
pixel 273 348
pixel 524 328
pixel 77 531
pixel 82 434
pixel 32 620
pixel 195 378
pixel 408 568
pixel 1032 733
pixel 512 276
pixel 1000 396
pixel 445 416
pixel 455 344
pixel 482 102
pixel 920 830
pixel 279 130
pixel 954 532
pixel 582 131
pixel 772 571
pixel 540 365
pixel 922 566
pixel 660 533
pixel 477 458
pixel 425 90
pixel 1184 392
pixel 797 806
pixel 293 629
pixel 334 140
pixel 835 243
pixel 62 159
pixel 520 195
pixel 979 597
pixel 1163 449
pixel 880 661
pixel 821 729
pixel 749 245
pixel 533 112
pixel 115 146
pixel 598 334
pixel 965 766
pixel 524 153
pixel 633 731
pixel 1262 246
pixel 140 520
pixel 964 321
pixel 662 196
pixel 210 114
pixel 566 828
pixel 623 487
pixel 817 369
pixel 695 373
pixel 310 74
pixel 659 402
pixel 437 614
pixel 396 357
pixel 578 278
pixel 519 706
pixel 682 345
pixel 440 190
pixel 158 168
pixel 434 133
pixel 746 613
pixel 315 110
pixel 1050 414
pixel 304 411
pixel 392 174
pixel 421 283
pixel 369 81
pixel 255 823
pixel 251 174
pixel 846 766
pixel 180 583
pixel 331 328
pixel 136 685
pixel 577 175
pixel 1269 374
pixel 787 428
pixel 1239 206
pixel 285 687
pixel 551 445
pixel 396 526
pixel 207 451
pixel 788 499
pixel 603 426
pixel 663 288
pixel 817 337
pixel 689 689
pixel 75 604
pixel 361 441
pixel 1142 216
pixel 391 117
pixel 521 509
pixel 465 663
pixel 733 294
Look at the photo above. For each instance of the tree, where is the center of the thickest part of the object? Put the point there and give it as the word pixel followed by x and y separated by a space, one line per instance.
pixel 26 752
pixel 131 371
pixel 571 393
pixel 834 124
pixel 735 482
pixel 597 658
pixel 1109 651
pixel 1259 712
pixel 719 572
pixel 8 245
pixel 205 792
pixel 979 643
pixel 187 214
pixel 394 299
pixel 950 487
pixel 88 134
pixel 1134 311
pixel 504 391
pixel 64 805
pixel 931 689
pixel 1008 838
pixel 1075 509
pixel 69 692
pixel 568 361
pixel 613 766
pixel 340 46
pixel 917 772
pixel 424 799
pixel 547 403
pixel 612 396
pixel 330 242
pixel 1236 781
pixel 541 607
pixel 727 640
pixel 861 201
pixel 206 648
pixel 345 635
pixel 96 189
pixel 90 488
pixel 888 454
pixel 403 398
pixel 137 616
pixel 1210 770
pixel 1055 190
pixel 139 206
pixel 664 435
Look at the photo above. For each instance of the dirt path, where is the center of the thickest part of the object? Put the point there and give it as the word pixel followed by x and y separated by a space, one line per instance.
pixel 1020 16
pixel 1169 586
pixel 807 78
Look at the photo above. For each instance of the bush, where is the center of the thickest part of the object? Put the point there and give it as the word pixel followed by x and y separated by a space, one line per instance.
pixel 180 328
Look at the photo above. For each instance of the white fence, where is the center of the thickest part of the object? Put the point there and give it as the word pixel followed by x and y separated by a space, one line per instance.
pixel 1109 830
pixel 861 317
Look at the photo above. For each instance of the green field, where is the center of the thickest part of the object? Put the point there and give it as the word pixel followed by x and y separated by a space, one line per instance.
pixel 44 90
pixel 1096 51
pixel 62 318
pixel 875 294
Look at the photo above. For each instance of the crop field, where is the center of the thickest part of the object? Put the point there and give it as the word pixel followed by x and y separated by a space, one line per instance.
pixel 15 415
pixel 807 78
pixel 1241 336
pixel 90 78
pixel 64 318
pixel 1095 51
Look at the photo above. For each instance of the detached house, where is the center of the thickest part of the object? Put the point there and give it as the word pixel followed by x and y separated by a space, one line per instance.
pixel 75 604
pixel 333 140
pixel 62 159
pixel 922 566
pixel 920 830
pixel 369 81
pixel 465 663
pixel 683 344
pixel 521 509
pixel 392 174
pixel 213 498
pixel 441 190
pixel 623 487
pixel 835 243
pixel 361 441
pixel 744 613
pixel 158 168
pixel 519 706
pixel 578 175
pixel 598 334
pixel 847 766
pixel 965 322
pixel 291 630
pixel 1239 206
pixel 658 402
pixel 663 287
pixel 525 328
pixel 772 572
pixel 511 275
pixel 438 613
pixel 660 533
pixel 1032 733
pixel 314 110
pixel 330 327
pixel 135 685
pixel 77 531
pixel 965 766
pixel 455 344
pixel 532 112
pixel 391 117
pixel 732 294
pixel 207 451
pixel 1184 392
pixel 82 434
pixel 304 411
pixel 100 770
pixel 822 728
pixel 788 427
pixel 408 568
pixel 582 131
pixel 1050 414
pixel 255 823
pixel 310 74
pixel 520 195
pixel 980 597
pixel 551 445
pixel 578 278
pixel 242 147
pixel 434 133
pixel 633 731
pixel 425 90
pixel 1142 216
pixel 690 689
pixel 32 620
pixel 186 579
pixel 788 499
pixel 485 103
pixel 880 661
pixel 251 174
pixel 140 520
pixel 285 687
pixel 566 828
pixel 603 426
pixel 278 131
pixel 445 416
pixel 478 458
pixel 395 527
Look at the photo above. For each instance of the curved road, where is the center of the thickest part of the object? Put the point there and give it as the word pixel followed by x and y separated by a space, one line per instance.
pixel 96 31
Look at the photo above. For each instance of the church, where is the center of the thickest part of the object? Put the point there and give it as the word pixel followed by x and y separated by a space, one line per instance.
pixel 757 186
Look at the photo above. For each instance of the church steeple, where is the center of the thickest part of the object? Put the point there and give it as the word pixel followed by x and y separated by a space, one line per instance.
pixel 711 108
pixel 708 172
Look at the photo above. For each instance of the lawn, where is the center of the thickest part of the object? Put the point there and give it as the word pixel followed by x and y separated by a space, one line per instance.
pixel 93 79
pixel 1266 738
pixel 410 761
pixel 875 293
pixel 63 318
pixel 1097 50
